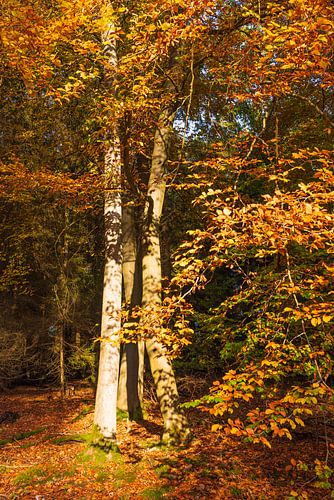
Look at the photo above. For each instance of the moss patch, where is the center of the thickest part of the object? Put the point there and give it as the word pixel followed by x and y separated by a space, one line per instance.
pixel 74 438
pixel 21 436
pixel 31 475
pixel 102 476
pixel 93 456
pixel 155 493
pixel 123 476
pixel 85 411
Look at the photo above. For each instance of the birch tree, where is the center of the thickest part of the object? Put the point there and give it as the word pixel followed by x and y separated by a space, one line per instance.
pixel 107 386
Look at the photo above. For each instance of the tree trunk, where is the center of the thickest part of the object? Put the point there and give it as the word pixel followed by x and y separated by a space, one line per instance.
pixel 62 361
pixel 65 301
pixel 175 425
pixel 107 385
pixel 106 393
pixel 130 389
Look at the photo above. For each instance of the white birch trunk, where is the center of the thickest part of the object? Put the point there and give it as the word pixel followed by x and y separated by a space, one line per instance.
pixel 107 384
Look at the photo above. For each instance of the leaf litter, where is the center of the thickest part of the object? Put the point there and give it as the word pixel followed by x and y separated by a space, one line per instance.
pixel 53 460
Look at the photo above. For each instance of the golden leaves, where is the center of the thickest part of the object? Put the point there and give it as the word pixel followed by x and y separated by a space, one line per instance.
pixel 216 427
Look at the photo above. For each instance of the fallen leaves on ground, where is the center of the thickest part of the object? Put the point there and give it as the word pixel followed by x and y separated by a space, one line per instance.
pixel 43 456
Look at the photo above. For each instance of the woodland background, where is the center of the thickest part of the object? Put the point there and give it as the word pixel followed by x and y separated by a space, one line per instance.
pixel 246 232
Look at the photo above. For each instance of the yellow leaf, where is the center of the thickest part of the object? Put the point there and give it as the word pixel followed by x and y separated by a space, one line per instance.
pixel 299 421
pixel 265 442
pixel 165 26
pixel 308 208
pixel 327 319
pixel 216 427
pixel 287 433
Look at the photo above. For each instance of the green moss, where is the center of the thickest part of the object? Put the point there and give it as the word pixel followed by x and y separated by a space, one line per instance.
pixel 93 456
pixel 122 474
pixel 34 443
pixel 89 438
pixel 122 414
pixel 70 472
pixel 3 442
pixel 37 475
pixel 21 436
pixel 163 470
pixel 102 476
pixel 27 434
pixel 30 476
pixel 236 492
pixel 155 493
pixel 83 413
pixel 96 439
pixel 69 439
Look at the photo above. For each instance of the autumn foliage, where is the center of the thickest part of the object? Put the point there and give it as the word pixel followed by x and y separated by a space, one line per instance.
pixel 248 90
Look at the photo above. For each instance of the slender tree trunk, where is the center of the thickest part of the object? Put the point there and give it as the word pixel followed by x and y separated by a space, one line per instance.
pixel 107 385
pixel 130 389
pixel 62 362
pixel 175 425
pixel 64 301
pixel 129 253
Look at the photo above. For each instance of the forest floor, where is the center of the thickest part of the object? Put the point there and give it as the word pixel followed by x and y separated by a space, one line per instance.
pixel 42 457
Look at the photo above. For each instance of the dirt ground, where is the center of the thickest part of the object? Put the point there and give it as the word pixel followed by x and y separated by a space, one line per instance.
pixel 44 455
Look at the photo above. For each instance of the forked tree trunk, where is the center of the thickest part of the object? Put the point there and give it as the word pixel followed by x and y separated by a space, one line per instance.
pixel 175 424
pixel 107 384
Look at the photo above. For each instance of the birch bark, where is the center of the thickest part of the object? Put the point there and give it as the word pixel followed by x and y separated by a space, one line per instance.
pixel 107 385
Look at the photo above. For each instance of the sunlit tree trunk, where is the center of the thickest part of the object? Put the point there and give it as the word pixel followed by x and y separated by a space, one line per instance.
pixel 129 254
pixel 107 385
pixel 175 425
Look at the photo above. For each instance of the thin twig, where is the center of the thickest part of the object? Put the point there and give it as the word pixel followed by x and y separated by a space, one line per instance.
pixel 316 107
pixel 191 91
pixel 302 320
